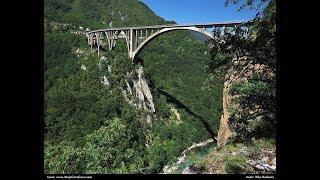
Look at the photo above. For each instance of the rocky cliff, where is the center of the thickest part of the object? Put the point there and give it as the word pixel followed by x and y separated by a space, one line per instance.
pixel 241 70
pixel 138 94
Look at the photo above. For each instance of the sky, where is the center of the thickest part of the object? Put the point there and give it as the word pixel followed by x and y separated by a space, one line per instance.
pixel 197 11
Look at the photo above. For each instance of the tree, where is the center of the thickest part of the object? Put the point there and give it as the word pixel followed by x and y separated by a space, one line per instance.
pixel 107 150
pixel 257 48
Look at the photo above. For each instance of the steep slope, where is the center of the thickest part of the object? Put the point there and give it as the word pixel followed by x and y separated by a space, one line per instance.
pixel 180 70
pixel 91 127
pixel 99 13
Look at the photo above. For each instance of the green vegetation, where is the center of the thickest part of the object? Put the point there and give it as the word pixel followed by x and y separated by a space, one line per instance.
pixel 177 64
pixel 254 131
pixel 235 165
pixel 91 128
pixel 253 111
pixel 93 13
pixel 106 150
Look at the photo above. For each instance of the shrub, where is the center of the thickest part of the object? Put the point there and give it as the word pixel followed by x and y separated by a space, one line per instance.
pixel 235 165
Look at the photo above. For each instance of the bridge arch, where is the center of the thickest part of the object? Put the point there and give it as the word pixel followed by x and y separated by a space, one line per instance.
pixel 162 31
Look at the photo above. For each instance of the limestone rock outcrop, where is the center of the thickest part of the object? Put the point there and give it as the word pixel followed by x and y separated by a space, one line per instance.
pixel 240 71
pixel 138 93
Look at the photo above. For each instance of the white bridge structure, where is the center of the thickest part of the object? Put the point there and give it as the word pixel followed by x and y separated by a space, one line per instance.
pixel 137 37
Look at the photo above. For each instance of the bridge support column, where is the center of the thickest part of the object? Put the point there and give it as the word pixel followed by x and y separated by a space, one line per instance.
pixel 98 42
pixel 127 37
pixel 133 42
pixel 91 41
pixel 108 38
pixel 111 39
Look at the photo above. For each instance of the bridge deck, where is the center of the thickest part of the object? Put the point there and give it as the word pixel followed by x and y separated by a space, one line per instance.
pixel 206 25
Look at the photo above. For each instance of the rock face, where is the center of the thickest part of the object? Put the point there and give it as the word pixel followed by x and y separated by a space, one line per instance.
pixel 83 67
pixel 170 169
pixel 105 81
pixel 240 71
pixel 187 170
pixel 265 159
pixel 192 170
pixel 274 162
pixel 175 112
pixel 263 165
pixel 138 93
pixel 143 92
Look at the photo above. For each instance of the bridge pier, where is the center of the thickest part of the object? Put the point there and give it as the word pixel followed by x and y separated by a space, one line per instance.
pixel 98 42
pixel 127 37
pixel 133 41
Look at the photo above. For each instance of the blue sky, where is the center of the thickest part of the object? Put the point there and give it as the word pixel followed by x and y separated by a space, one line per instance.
pixel 196 11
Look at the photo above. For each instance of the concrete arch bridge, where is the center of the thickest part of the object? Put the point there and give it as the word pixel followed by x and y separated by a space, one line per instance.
pixel 137 37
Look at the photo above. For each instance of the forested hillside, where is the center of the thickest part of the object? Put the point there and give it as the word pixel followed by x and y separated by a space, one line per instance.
pixel 96 123
pixel 99 13
pixel 81 112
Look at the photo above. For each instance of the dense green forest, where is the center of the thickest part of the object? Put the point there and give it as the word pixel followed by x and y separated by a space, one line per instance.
pixel 91 128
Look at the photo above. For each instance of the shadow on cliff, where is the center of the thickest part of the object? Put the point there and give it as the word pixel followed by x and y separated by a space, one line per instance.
pixel 171 99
